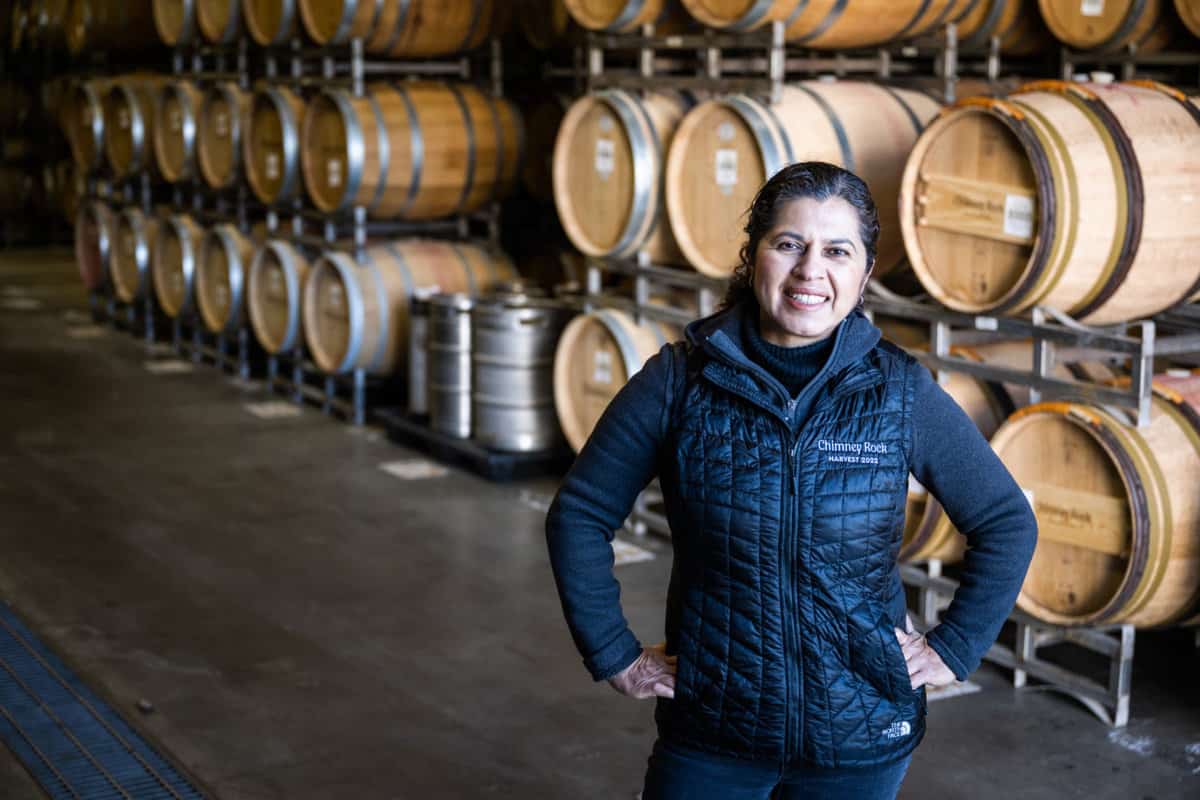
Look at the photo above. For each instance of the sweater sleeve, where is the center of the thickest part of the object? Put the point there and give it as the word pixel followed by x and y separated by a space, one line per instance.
pixel 597 494
pixel 959 468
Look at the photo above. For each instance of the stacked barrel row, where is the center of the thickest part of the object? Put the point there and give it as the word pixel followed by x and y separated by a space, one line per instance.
pixel 1022 27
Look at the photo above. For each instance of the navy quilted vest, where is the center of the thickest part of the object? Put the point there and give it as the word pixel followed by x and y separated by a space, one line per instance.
pixel 785 590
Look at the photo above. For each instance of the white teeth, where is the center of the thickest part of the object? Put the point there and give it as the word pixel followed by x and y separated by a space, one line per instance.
pixel 808 299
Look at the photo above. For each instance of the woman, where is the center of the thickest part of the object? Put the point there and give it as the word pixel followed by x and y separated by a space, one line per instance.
pixel 783 433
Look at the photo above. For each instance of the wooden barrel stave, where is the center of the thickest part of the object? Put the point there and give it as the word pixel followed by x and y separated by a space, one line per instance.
pixel 271 144
pixel 866 128
pixel 176 251
pixel 114 25
pixel 219 134
pixel 356 316
pixel 274 293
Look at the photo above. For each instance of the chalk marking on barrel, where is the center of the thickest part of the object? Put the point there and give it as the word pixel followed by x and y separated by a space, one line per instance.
pixel 167 366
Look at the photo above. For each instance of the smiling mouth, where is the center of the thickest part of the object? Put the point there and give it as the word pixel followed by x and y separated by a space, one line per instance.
pixel 806 300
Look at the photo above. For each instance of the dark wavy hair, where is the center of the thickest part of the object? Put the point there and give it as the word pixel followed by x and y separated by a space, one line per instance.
pixel 815 179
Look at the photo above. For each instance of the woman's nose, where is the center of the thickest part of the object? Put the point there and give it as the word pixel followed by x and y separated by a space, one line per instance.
pixel 808 265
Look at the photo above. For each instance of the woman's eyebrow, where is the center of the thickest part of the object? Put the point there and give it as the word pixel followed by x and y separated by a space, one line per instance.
pixel 848 242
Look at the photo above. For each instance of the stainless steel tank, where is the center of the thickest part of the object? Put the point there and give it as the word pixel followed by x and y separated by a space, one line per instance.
pixel 512 389
pixel 449 364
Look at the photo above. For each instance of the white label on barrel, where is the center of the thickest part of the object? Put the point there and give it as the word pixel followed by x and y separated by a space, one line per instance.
pixel 1091 8
pixel 272 166
pixel 1018 215
pixel 726 170
pixel 174 121
pixel 986 324
pixel 605 157
pixel 334 301
pixel 605 124
pixel 123 119
pixel 221 124
pixel 274 285
pixel 602 366
pixel 915 488
pixel 725 131
pixel 333 172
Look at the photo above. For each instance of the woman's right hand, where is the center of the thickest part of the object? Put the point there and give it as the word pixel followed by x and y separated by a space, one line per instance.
pixel 651 675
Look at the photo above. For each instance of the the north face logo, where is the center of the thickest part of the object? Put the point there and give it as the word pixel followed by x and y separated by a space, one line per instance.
pixel 897 730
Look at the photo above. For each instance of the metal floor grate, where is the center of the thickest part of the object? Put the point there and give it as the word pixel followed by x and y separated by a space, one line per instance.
pixel 72 742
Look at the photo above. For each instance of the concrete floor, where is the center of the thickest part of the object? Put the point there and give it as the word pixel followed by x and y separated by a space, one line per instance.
pixel 307 625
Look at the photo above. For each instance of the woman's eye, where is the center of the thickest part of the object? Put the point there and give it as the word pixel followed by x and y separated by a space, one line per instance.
pixel 789 246
pixel 836 252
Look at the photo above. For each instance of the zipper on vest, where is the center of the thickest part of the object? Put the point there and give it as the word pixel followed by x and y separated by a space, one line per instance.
pixel 788 594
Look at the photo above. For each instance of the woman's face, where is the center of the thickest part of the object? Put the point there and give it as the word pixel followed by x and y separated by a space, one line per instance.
pixel 809 271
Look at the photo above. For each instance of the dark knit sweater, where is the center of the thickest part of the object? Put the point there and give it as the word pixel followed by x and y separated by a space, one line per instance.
pixel 794 367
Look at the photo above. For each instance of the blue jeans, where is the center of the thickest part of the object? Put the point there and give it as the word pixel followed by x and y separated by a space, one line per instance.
pixel 680 773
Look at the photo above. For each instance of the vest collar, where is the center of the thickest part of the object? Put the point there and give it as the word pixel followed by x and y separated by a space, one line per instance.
pixel 730 367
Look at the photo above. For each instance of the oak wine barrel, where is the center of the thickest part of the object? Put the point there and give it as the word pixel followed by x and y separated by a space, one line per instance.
pixel 1110 25
pixel 547 23
pixel 219 134
pixel 415 150
pixel 838 24
pixel 597 354
pixel 356 315
pixel 1117 507
pixel 741 15
pixel 220 21
pixel 130 254
pixel 271 144
pixel 726 148
pixel 176 250
pixel 273 295
pixel 271 22
pixel 607 173
pixel 83 122
pixel 129 117
pixel 543 118
pixel 402 28
pixel 220 279
pixel 175 21
pixel 93 242
pixel 928 533
pixel 627 16
pixel 113 25
pixel 1016 23
pixel 175 130
pixel 1085 201
pixel 1189 13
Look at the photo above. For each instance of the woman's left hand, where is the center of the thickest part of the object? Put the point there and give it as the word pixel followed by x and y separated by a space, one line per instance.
pixel 925 666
